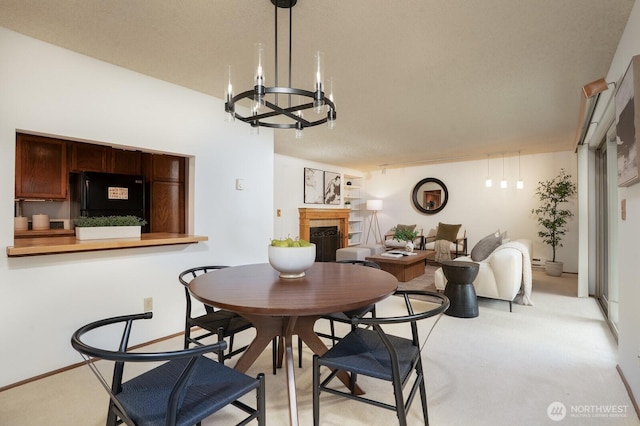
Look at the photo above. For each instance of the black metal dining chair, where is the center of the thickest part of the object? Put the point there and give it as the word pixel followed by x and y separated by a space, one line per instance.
pixel 187 388
pixel 345 317
pixel 219 322
pixel 374 353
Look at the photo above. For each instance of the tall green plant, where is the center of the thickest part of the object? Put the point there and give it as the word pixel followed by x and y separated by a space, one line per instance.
pixel 553 218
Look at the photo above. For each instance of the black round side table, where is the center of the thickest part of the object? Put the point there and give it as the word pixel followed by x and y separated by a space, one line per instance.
pixel 459 289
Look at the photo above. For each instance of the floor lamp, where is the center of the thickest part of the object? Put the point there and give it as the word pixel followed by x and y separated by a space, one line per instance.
pixel 374 206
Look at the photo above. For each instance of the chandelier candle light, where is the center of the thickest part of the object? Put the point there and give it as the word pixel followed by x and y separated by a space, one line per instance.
pixel 265 109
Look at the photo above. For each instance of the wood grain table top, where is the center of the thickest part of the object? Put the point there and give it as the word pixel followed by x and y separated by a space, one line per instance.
pixel 327 287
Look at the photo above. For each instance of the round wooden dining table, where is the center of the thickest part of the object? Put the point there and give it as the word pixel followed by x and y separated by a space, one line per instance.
pixel 286 307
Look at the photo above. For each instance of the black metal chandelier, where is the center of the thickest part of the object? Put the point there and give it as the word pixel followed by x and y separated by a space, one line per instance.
pixel 265 108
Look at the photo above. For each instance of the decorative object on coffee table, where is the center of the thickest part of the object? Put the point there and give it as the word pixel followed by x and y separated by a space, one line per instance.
pixel 459 289
pixel 406 234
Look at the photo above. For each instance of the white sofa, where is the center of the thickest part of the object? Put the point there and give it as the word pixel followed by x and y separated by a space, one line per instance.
pixel 501 274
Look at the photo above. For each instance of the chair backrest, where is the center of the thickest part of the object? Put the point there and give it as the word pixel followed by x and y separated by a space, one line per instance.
pixel 185 278
pixel 412 317
pixel 368 263
pixel 121 356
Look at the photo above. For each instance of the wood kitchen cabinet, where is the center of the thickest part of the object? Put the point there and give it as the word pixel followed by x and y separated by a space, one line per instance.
pixel 125 162
pixel 86 157
pixel 166 192
pixel 167 207
pixel 41 168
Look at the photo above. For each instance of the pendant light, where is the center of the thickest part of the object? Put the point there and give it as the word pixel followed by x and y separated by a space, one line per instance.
pixel 520 182
pixel 503 182
pixel 488 183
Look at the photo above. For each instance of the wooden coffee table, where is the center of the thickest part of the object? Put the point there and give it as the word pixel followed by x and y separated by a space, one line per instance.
pixel 404 268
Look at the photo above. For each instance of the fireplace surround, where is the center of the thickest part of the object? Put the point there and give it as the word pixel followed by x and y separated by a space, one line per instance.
pixel 325 217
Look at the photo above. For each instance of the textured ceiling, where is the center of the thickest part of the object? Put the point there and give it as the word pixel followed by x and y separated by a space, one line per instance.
pixel 414 81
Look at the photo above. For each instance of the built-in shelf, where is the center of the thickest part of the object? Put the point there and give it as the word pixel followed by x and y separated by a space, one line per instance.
pixel 353 194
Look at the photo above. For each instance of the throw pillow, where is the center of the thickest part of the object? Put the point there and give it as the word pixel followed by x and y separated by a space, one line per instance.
pixel 447 232
pixel 486 246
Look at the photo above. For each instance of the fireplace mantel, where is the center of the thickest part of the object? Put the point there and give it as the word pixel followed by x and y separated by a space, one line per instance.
pixel 309 216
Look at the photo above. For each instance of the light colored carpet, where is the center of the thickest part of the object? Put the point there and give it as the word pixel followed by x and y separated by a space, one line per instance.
pixel 500 368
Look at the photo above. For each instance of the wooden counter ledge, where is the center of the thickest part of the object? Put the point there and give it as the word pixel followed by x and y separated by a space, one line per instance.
pixel 55 245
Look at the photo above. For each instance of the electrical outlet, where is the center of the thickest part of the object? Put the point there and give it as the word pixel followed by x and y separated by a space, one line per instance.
pixel 148 304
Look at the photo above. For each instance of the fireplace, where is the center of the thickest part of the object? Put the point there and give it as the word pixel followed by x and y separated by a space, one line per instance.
pixel 325 217
pixel 327 241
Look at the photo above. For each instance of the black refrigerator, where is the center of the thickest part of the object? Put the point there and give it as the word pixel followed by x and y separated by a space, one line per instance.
pixel 107 194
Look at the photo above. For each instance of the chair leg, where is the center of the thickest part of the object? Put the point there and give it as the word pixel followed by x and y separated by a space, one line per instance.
pixel 423 393
pixel 230 348
pixel 187 335
pixel 333 333
pixel 112 419
pixel 510 306
pixel 220 339
pixel 316 391
pixel 299 352
pixel 278 352
pixel 401 410
pixel 274 354
pixel 260 401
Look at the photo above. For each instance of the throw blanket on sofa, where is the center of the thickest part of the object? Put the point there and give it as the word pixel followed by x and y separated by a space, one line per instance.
pixel 524 295
pixel 442 250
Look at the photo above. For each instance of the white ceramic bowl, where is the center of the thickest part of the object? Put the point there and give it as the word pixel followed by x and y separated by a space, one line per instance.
pixel 291 262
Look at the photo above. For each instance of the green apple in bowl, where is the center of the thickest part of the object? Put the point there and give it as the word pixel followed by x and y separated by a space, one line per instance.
pixel 291 257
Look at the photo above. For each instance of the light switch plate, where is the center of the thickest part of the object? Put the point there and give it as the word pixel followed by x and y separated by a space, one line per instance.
pixel 239 184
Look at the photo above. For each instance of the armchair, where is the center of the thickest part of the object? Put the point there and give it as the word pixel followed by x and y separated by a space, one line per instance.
pixel 459 248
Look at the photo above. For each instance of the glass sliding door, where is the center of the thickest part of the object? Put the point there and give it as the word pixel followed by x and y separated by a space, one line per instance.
pixel 606 226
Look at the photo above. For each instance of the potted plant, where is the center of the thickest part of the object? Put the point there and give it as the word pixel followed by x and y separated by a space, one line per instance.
pixel 105 227
pixel 405 234
pixel 552 217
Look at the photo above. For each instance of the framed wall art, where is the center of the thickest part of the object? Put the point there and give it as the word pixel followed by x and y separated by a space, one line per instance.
pixel 331 188
pixel 313 186
pixel 628 123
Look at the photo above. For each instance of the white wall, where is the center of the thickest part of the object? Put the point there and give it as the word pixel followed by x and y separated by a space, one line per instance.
pixel 43 299
pixel 628 248
pixel 480 209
